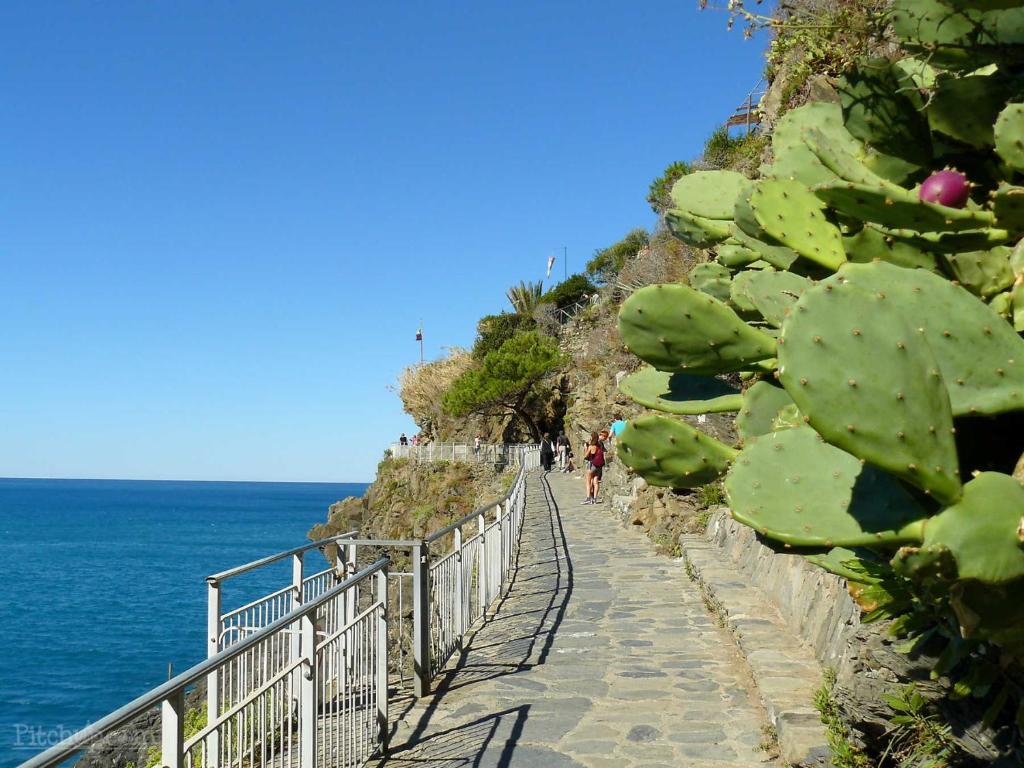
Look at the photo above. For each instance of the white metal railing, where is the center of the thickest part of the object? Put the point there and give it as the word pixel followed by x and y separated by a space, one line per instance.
pixel 500 453
pixel 317 707
pixel 299 677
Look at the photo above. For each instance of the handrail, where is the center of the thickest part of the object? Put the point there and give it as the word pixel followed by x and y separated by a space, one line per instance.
pixel 146 701
pixel 231 572
pixel 486 508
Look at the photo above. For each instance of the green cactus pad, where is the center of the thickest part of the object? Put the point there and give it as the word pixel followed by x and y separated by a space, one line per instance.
pixel 735 256
pixel 901 210
pixel 879 111
pixel 696 230
pixel 676 328
pixel 712 279
pixel 1008 206
pixel 768 292
pixel 870 244
pixel 848 563
pixel 1017 306
pixel 761 405
pixel 960 39
pixel 779 256
pixel 845 164
pixel 856 369
pixel 1009 136
pixel 794 487
pixel 980 357
pixel 965 108
pixel 680 393
pixel 793 158
pixel 925 563
pixel 983 273
pixel 709 194
pixel 950 242
pixel 670 453
pixel 791 214
pixel 984 530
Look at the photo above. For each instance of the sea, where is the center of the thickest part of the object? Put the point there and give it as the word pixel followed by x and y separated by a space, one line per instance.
pixel 103 592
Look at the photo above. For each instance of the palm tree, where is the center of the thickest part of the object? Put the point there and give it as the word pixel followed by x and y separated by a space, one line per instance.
pixel 525 297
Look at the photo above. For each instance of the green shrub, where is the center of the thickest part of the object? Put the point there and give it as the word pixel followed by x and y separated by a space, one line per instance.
pixel 660 193
pixel 494 330
pixel 608 262
pixel 569 291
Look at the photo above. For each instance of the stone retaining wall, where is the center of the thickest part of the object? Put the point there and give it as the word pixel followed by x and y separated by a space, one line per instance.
pixel 812 601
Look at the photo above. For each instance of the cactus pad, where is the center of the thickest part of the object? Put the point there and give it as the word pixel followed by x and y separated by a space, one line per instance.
pixel 696 230
pixel 984 530
pixel 901 209
pixel 980 357
pixel 733 255
pixel 680 393
pixel 794 487
pixel 709 194
pixel 770 293
pixel 712 279
pixel 671 453
pixel 983 273
pixel 761 405
pixel 779 256
pixel 1009 136
pixel 791 214
pixel 857 370
pixel 881 113
pixel 1008 205
pixel 675 328
pixel 965 108
pixel 871 244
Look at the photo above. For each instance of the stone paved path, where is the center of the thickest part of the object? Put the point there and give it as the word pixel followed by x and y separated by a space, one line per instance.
pixel 602 655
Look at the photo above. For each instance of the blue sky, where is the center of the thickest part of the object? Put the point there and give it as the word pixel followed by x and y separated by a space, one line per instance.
pixel 221 222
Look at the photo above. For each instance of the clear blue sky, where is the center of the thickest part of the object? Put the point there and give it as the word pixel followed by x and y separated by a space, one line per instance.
pixel 221 222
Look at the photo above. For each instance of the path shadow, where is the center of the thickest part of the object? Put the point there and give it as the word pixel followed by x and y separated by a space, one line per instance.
pixel 497 648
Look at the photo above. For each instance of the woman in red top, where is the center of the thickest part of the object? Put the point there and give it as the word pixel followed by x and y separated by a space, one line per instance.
pixel 594 458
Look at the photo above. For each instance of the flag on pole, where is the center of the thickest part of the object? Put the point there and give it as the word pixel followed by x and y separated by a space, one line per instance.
pixel 419 334
pixel 551 263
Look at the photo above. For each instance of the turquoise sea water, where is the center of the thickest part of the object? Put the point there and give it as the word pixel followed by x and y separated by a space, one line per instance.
pixel 102 585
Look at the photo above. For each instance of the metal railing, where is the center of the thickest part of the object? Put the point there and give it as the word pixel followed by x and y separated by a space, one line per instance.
pixel 501 453
pixel 300 676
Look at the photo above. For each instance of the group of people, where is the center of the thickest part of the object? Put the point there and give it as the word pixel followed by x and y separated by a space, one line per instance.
pixel 595 456
pixel 403 440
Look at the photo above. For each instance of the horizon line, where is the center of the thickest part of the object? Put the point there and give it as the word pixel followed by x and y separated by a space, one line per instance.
pixel 185 480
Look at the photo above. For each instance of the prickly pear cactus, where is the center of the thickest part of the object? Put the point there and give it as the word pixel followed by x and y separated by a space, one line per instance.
pixel 671 453
pixel 892 322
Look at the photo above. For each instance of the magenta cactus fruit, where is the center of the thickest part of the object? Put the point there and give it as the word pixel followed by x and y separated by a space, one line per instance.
pixel 948 188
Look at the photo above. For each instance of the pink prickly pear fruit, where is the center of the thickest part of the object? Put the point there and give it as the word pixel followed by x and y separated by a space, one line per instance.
pixel 948 188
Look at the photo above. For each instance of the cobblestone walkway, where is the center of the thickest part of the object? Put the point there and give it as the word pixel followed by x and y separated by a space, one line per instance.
pixel 602 655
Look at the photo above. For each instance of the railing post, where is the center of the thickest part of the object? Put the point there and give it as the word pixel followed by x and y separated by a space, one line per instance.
pixel 351 596
pixel 501 548
pixel 382 661
pixel 481 566
pixel 421 618
pixel 307 692
pixel 172 730
pixel 297 589
pixel 213 610
pixel 460 609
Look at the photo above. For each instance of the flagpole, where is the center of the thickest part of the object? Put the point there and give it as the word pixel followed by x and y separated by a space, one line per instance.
pixel 421 341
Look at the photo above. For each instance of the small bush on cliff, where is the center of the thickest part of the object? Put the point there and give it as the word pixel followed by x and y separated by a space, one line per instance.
pixel 608 262
pixel 505 380
pixel 494 330
pixel 569 291
pixel 660 193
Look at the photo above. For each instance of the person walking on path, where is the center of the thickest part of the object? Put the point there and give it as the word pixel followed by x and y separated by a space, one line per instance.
pixel 403 440
pixel 547 452
pixel 476 445
pixel 562 444
pixel 618 424
pixel 593 456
